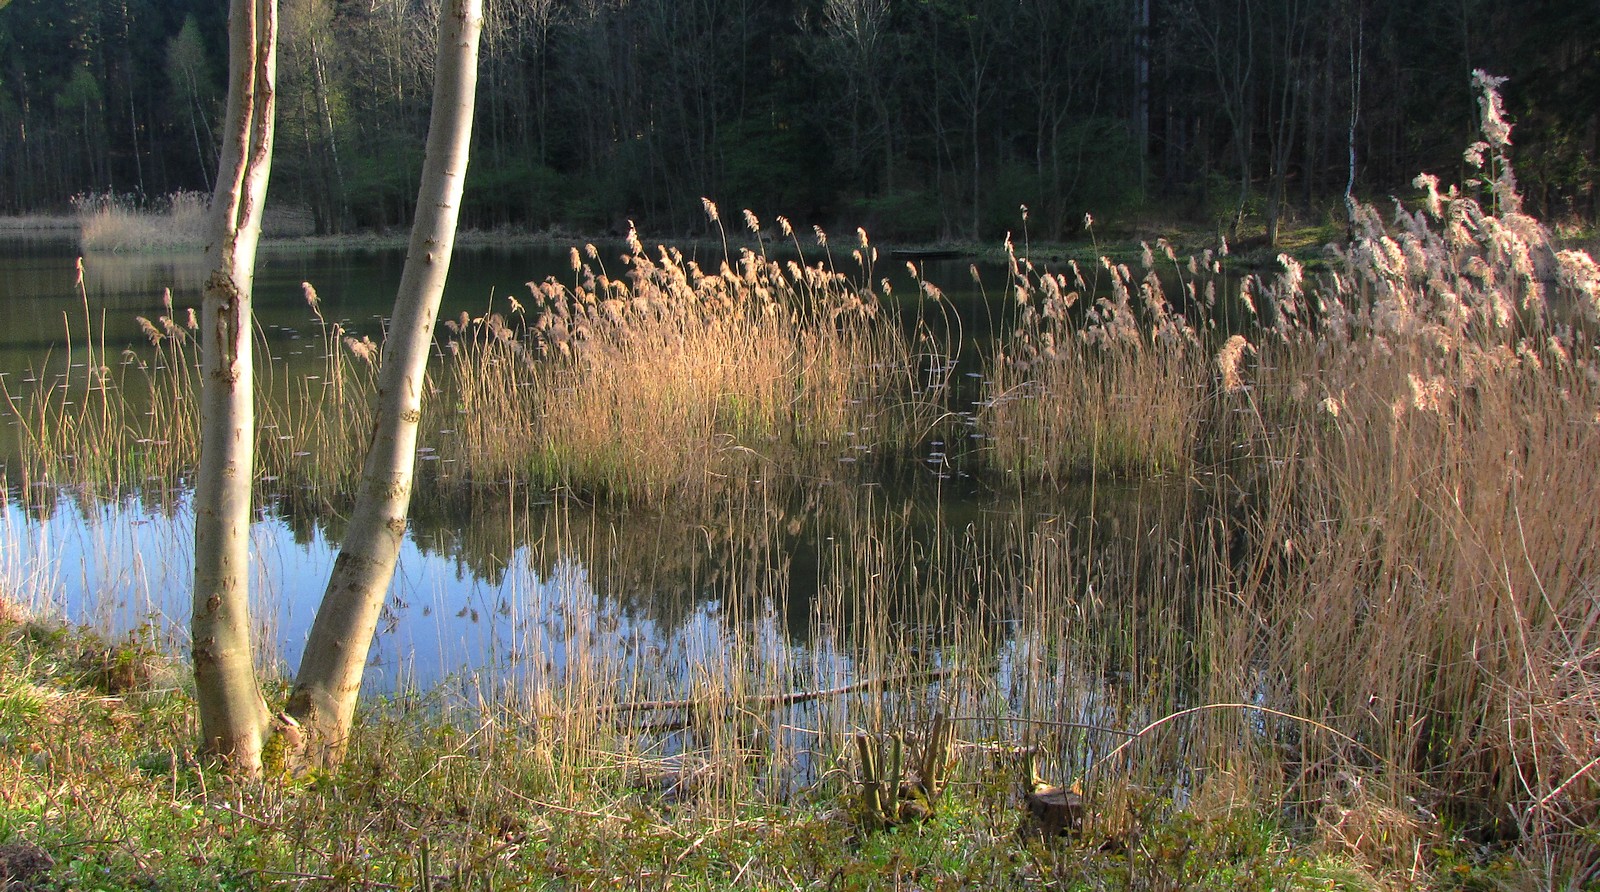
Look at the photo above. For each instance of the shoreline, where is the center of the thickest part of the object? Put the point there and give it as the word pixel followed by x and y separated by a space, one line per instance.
pixel 1121 248
pixel 1123 243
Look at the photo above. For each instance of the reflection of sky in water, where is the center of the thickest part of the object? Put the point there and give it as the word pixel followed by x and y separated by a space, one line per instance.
pixel 115 565
pixel 112 565
pixel 528 622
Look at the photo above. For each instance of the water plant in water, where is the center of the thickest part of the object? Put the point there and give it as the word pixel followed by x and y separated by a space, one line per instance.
pixel 667 380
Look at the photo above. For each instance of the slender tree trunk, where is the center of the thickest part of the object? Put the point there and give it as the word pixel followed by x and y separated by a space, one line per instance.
pixel 133 137
pixel 324 697
pixel 233 715
pixel 1141 55
pixel 1356 67
pixel 329 137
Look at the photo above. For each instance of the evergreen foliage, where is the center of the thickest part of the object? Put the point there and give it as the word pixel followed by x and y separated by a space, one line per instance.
pixel 922 119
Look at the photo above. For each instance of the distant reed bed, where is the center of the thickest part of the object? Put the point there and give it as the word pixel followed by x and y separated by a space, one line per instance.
pixel 112 222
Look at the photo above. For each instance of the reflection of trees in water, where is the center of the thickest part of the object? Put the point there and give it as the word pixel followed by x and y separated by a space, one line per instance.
pixel 40 500
pixel 1073 604
pixel 1052 595
pixel 307 512
pixel 1078 606
pixel 927 564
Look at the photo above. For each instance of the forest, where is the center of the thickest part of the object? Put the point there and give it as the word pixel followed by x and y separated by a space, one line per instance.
pixel 919 119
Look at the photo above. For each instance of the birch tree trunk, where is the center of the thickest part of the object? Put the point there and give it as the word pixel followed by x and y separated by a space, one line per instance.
pixel 324 697
pixel 233 715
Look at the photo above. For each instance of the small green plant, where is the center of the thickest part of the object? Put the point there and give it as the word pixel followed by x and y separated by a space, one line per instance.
pixel 131 664
pixel 897 787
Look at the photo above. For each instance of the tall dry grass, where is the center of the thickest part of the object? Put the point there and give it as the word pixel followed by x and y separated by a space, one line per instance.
pixel 1395 458
pixel 1425 545
pixel 100 416
pixel 1111 385
pixel 664 381
pixel 106 418
pixel 314 423
pixel 110 222
pixel 670 380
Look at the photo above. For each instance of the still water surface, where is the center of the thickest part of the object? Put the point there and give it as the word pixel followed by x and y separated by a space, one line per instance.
pixel 485 590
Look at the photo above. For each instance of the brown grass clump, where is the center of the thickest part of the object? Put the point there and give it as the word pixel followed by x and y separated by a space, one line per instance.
pixel 10 612
pixel 1117 387
pixel 113 223
pixel 672 380
pixel 1364 826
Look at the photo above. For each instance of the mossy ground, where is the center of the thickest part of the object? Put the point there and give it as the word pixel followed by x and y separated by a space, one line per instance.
pixel 97 772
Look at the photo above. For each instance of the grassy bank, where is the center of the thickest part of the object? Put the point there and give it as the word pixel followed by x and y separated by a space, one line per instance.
pixel 101 791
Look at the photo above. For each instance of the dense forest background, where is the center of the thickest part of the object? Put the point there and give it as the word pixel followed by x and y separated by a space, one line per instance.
pixel 919 119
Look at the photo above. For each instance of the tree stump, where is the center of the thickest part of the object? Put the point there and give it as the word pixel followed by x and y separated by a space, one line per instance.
pixel 1052 811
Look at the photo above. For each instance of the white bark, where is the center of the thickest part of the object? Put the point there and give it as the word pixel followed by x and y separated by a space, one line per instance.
pixel 325 692
pixel 233 715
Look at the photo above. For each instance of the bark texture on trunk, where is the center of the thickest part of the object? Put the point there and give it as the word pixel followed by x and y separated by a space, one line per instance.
pixel 324 697
pixel 233 715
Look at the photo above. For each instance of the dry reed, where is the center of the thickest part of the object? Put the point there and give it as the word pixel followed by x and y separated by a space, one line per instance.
pixel 669 380
pixel 1116 386
pixel 1424 539
pixel 82 421
pixel 111 222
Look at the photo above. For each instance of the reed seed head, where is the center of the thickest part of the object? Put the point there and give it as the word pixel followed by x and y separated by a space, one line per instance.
pixel 1229 359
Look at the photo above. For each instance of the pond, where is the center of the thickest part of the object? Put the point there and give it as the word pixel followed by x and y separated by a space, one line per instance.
pixel 40 300
pixel 506 593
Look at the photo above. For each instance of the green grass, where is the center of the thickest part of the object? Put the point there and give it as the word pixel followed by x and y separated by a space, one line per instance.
pixel 107 785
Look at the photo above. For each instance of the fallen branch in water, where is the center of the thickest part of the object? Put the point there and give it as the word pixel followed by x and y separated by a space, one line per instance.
pixel 773 701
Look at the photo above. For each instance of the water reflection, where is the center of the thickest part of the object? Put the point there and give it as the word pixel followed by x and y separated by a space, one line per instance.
pixel 1070 606
pixel 505 591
